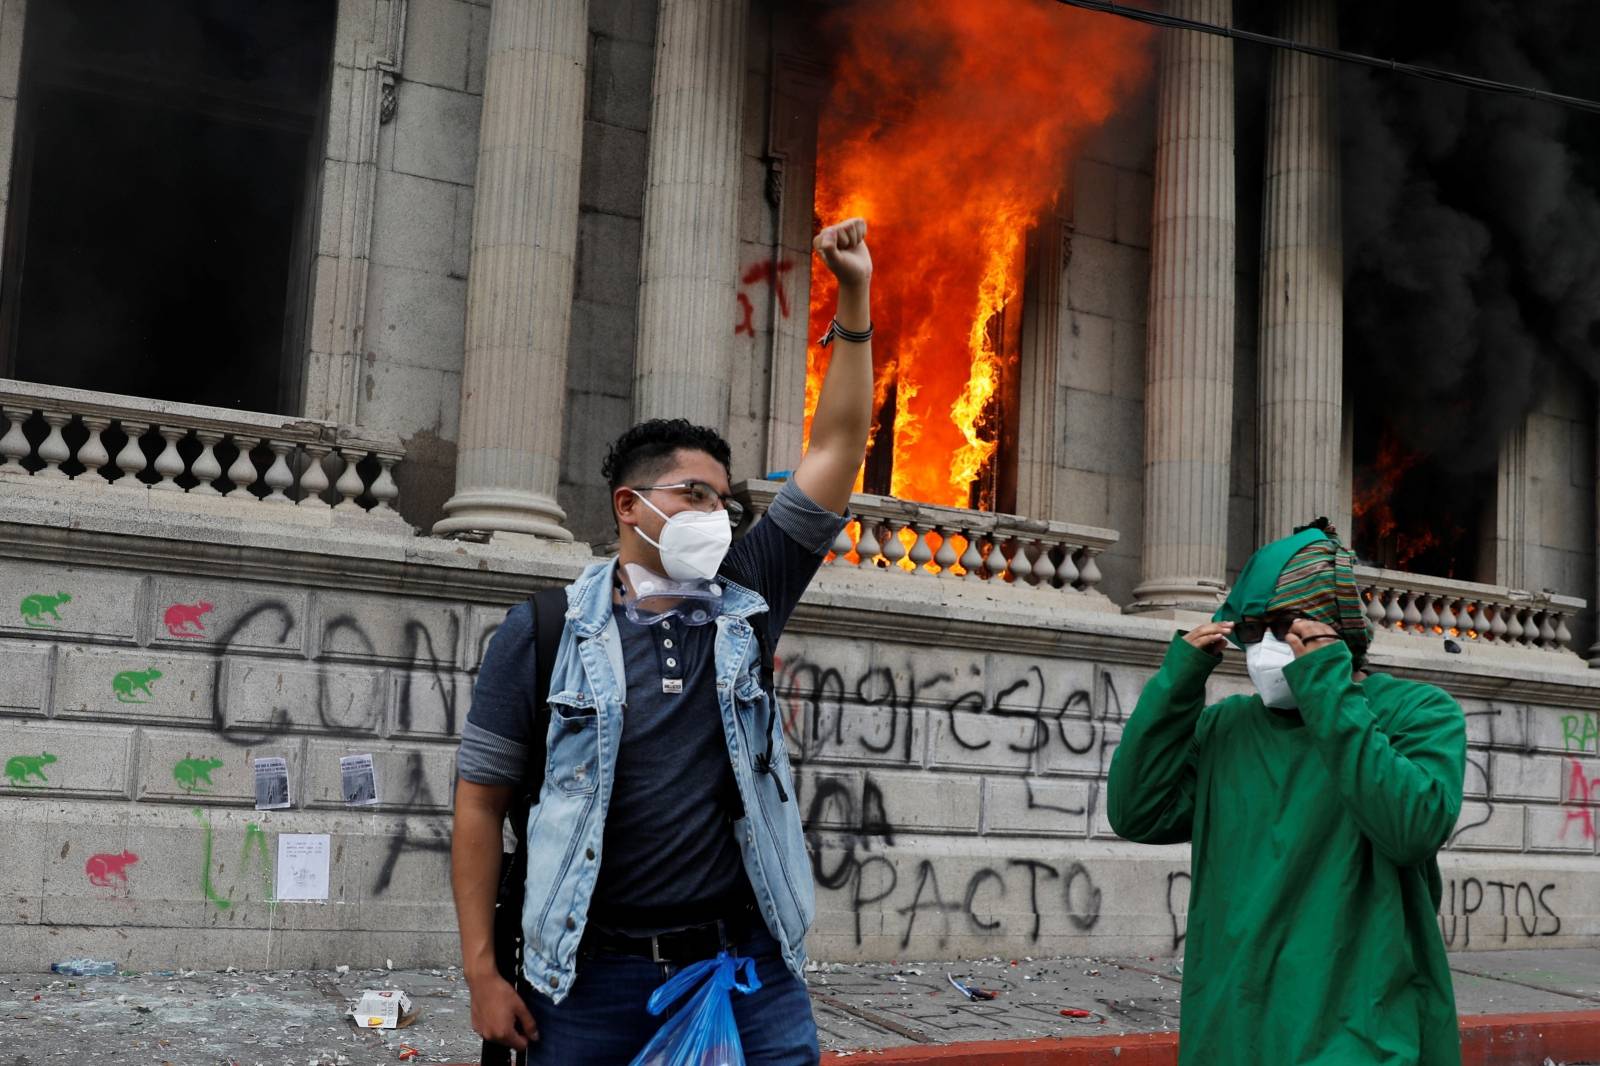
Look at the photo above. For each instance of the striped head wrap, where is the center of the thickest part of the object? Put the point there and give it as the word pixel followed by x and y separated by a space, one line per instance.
pixel 1309 573
pixel 1319 582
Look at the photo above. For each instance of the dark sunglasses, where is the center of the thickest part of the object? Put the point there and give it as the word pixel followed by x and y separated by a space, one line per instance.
pixel 1251 630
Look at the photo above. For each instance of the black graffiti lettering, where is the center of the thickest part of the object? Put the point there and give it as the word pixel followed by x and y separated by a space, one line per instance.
pixel 985 874
pixel 874 817
pixel 281 721
pixel 1041 730
pixel 1033 866
pixel 832 795
pixel 973 703
pixel 1078 700
pixel 418 636
pixel 1086 912
pixel 1035 805
pixel 1505 921
pixel 1179 931
pixel 415 793
pixel 1549 910
pixel 926 875
pixel 1533 909
pixel 858 902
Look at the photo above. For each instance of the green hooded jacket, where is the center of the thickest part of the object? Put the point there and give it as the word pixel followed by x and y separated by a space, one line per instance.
pixel 1313 908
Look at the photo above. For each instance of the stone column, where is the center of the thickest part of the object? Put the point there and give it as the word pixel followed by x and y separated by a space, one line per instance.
pixel 519 286
pixel 690 261
pixel 1189 357
pixel 1302 295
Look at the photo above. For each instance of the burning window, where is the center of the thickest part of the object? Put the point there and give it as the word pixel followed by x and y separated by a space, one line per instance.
pixel 162 197
pixel 1421 511
pixel 949 126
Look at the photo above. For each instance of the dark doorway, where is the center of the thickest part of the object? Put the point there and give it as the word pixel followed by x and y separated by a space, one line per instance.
pixel 158 240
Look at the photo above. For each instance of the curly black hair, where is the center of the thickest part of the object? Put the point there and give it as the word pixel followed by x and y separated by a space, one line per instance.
pixel 647 449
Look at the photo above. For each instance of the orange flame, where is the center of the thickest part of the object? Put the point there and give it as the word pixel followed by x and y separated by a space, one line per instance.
pixel 1373 509
pixel 949 128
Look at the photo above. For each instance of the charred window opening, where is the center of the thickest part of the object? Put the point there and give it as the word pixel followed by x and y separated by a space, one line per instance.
pixel 1421 509
pixel 163 193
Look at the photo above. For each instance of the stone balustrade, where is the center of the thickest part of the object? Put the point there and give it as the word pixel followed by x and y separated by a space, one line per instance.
pixel 900 537
pixel 1417 606
pixel 243 462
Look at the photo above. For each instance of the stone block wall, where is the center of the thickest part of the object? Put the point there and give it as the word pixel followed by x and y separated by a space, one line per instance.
pixel 134 706
pixel 1100 378
pixel 951 748
pixel 955 802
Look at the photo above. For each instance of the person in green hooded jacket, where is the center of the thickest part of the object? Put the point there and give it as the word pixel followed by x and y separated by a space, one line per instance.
pixel 1316 809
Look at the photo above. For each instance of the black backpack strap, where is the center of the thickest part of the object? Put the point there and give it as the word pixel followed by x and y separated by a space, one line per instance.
pixel 549 621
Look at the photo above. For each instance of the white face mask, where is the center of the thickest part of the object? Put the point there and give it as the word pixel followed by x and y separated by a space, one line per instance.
pixel 1265 662
pixel 693 543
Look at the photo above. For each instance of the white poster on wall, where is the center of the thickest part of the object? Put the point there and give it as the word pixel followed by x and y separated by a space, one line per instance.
pixel 303 865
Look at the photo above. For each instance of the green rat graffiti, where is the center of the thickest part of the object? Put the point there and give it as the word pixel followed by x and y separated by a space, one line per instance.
pixel 21 767
pixel 192 774
pixel 128 684
pixel 34 609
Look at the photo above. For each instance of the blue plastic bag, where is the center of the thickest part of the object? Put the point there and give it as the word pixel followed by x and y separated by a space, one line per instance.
pixel 703 1032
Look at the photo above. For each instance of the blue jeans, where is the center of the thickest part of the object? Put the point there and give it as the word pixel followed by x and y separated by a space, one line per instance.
pixel 604 1021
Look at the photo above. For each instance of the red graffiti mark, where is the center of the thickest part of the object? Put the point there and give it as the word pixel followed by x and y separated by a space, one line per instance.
pixel 772 274
pixel 102 868
pixel 180 616
pixel 1581 791
pixel 747 324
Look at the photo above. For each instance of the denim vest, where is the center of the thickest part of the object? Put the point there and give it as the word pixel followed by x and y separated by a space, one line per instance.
pixel 567 826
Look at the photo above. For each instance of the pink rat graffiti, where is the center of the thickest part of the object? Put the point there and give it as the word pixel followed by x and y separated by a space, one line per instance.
pixel 103 867
pixel 181 616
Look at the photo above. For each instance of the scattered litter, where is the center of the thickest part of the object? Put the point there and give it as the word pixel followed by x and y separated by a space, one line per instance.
pixel 407 1053
pixel 383 1009
pixel 84 968
pixel 1073 1012
pixel 1091 973
pixel 969 991
pixel 341 970
pixel 388 964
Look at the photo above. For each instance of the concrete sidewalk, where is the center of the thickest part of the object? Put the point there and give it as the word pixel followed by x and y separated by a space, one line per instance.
pixel 1517 1007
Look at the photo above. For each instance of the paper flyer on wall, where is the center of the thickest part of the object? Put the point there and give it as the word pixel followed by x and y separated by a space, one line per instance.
pixel 272 783
pixel 303 865
pixel 360 782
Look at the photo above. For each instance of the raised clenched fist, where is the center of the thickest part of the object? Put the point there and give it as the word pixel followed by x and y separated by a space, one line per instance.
pixel 843 247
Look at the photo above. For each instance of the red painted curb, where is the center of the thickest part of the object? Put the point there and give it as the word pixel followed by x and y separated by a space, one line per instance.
pixel 1504 1039
pixel 1135 1049
pixel 1486 1040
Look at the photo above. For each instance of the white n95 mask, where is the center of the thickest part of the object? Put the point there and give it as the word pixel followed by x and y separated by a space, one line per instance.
pixel 1265 661
pixel 693 543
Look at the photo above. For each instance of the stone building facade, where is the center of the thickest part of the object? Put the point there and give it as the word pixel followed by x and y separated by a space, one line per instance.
pixel 522 225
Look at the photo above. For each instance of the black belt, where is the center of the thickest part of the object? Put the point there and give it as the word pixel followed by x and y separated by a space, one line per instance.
pixel 676 946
